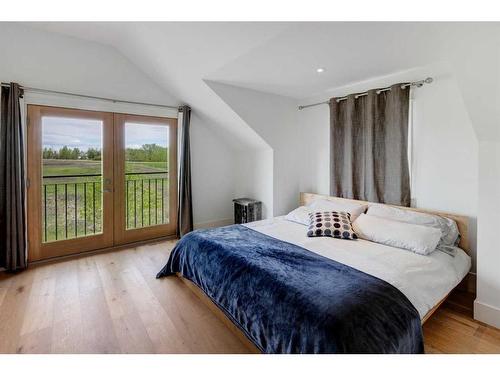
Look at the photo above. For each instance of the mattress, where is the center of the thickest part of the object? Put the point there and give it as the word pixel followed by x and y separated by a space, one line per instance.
pixel 424 280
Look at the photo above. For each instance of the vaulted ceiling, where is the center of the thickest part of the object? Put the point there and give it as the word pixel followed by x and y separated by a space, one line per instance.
pixel 282 58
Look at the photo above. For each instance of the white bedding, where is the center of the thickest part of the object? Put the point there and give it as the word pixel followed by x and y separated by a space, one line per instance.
pixel 424 280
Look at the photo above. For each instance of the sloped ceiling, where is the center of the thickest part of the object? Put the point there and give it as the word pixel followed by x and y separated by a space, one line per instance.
pixel 349 52
pixel 179 55
pixel 54 61
pixel 282 58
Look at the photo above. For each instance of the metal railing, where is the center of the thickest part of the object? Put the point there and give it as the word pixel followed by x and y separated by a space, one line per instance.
pixel 72 208
pixel 145 199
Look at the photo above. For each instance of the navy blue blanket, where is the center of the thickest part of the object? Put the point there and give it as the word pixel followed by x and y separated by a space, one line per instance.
pixel 287 299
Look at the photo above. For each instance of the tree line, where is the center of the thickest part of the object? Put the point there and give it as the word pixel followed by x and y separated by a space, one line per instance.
pixel 68 153
pixel 147 152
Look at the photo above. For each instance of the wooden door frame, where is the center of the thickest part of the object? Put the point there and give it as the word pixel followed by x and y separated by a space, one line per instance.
pixel 36 249
pixel 122 235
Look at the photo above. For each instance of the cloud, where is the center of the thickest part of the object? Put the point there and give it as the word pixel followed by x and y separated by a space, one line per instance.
pixel 137 135
pixel 86 133
pixel 82 133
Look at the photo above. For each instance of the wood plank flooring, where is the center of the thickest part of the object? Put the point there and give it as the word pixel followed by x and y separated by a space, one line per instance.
pixel 112 303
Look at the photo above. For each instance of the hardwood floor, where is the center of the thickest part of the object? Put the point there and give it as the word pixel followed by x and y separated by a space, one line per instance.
pixel 453 330
pixel 111 303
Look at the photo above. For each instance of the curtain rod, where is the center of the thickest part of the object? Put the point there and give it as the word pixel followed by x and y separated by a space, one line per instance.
pixel 34 89
pixel 409 84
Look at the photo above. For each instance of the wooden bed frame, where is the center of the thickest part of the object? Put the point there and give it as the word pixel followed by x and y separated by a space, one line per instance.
pixel 305 198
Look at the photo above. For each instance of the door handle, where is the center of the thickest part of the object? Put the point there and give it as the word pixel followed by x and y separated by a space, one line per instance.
pixel 107 181
pixel 106 190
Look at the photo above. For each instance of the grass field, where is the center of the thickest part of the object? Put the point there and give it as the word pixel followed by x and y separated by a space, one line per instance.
pixel 56 167
pixel 73 204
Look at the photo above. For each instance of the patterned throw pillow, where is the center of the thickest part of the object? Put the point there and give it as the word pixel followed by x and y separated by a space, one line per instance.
pixel 331 224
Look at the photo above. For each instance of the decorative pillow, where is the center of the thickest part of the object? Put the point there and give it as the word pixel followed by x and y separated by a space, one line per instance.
pixel 331 224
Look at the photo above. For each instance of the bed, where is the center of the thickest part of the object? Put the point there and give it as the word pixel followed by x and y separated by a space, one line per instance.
pixel 283 292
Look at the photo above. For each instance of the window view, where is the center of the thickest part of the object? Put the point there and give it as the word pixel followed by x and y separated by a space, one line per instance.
pixel 146 175
pixel 71 178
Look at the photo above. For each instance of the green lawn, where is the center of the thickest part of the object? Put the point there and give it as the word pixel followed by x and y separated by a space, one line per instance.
pixel 79 199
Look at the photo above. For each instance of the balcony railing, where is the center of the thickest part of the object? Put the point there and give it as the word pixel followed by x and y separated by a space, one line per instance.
pixel 145 199
pixel 72 204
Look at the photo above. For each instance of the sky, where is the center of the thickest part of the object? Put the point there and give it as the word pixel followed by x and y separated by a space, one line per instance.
pixel 86 133
pixel 138 134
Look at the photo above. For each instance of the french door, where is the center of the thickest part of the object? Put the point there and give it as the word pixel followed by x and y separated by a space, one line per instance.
pixel 145 177
pixel 98 179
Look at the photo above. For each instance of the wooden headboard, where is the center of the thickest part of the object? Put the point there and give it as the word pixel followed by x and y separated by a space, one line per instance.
pixel 462 221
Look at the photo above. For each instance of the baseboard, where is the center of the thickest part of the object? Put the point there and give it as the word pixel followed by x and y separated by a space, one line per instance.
pixel 487 314
pixel 214 224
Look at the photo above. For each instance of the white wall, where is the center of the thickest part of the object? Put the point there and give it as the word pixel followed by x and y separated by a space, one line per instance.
pixel 479 80
pixel 487 304
pixel 314 130
pixel 254 178
pixel 274 118
pixel 48 60
pixel 445 160
pixel 445 146
pixel 213 166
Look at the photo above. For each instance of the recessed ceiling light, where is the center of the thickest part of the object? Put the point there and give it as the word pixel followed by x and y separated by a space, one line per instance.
pixel 320 70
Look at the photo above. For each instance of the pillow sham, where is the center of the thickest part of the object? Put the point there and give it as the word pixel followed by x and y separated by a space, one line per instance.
pixel 420 239
pixel 331 224
pixel 299 215
pixel 353 208
pixel 450 236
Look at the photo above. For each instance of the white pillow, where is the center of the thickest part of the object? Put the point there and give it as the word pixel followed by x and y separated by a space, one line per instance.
pixel 354 208
pixel 420 239
pixel 448 227
pixel 299 215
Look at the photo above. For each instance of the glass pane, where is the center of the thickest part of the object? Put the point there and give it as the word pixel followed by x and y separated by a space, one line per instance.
pixel 71 178
pixel 146 175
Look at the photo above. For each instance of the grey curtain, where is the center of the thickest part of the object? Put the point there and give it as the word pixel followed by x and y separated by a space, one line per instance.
pixel 12 186
pixel 185 205
pixel 369 143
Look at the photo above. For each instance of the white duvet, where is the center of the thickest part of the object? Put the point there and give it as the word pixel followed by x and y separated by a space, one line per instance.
pixel 423 279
